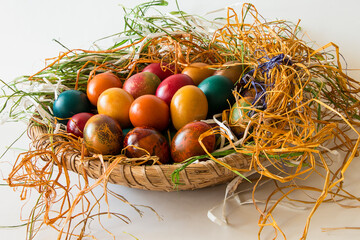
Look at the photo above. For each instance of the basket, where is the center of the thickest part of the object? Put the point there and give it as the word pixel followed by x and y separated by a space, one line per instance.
pixel 150 177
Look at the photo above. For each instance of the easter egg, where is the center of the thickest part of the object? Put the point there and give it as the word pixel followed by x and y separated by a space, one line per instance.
pixel 185 143
pixel 149 111
pixel 170 85
pixel 188 104
pixel 218 90
pixel 142 83
pixel 116 102
pixel 103 135
pixel 69 103
pixel 76 123
pixel 99 83
pixel 198 72
pixel 149 139
pixel 232 70
pixel 238 115
pixel 162 70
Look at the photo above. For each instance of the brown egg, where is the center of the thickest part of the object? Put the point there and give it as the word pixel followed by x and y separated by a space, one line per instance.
pixel 198 72
pixel 103 134
pixel 232 70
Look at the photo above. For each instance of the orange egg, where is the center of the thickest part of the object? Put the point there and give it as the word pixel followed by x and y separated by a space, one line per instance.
pixel 149 111
pixel 188 104
pixel 100 83
pixel 116 102
pixel 198 72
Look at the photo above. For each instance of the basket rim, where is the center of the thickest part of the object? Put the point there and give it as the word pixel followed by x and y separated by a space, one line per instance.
pixel 151 177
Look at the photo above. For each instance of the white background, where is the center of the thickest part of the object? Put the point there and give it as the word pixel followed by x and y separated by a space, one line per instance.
pixel 27 29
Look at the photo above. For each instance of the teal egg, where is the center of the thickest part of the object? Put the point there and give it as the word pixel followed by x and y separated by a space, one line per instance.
pixel 69 103
pixel 218 90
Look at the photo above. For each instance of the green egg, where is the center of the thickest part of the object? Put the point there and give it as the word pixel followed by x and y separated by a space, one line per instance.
pixel 218 90
pixel 69 103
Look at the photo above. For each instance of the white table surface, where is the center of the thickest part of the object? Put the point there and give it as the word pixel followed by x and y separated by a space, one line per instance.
pixel 26 32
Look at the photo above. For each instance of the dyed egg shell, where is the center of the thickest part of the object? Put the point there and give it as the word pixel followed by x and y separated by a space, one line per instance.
pixel 188 104
pixel 232 70
pixel 185 143
pixel 100 83
pixel 149 111
pixel 149 139
pixel 116 102
pixel 162 70
pixel 103 135
pixel 237 117
pixel 77 123
pixel 170 85
pixel 198 72
pixel 69 103
pixel 141 84
pixel 218 90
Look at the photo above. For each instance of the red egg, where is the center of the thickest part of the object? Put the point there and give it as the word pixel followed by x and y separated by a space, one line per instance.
pixel 170 85
pixel 185 143
pixel 141 84
pixel 149 139
pixel 103 135
pixel 77 123
pixel 162 70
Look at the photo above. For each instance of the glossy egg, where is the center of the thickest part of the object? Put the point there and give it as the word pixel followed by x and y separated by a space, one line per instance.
pixel 185 143
pixel 232 70
pixel 149 111
pixel 103 135
pixel 162 70
pixel 116 102
pixel 237 116
pixel 77 123
pixel 69 103
pixel 218 91
pixel 188 104
pixel 198 72
pixel 170 85
pixel 141 84
pixel 99 83
pixel 149 139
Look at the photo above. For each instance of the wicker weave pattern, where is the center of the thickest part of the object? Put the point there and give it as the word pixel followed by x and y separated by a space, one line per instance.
pixel 155 177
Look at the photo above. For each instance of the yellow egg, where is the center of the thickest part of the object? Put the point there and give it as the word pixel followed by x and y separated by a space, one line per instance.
pixel 115 103
pixel 188 104
pixel 198 72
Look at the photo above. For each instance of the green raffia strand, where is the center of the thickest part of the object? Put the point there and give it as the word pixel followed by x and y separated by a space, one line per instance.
pixel 14 226
pixel 9 147
pixel 175 176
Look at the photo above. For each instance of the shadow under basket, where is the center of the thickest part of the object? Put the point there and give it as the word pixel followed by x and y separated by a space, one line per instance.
pixel 150 177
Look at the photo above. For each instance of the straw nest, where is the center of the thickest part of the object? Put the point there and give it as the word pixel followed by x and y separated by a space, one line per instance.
pixel 150 177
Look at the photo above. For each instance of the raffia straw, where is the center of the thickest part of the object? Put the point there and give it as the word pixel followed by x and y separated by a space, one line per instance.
pixel 309 103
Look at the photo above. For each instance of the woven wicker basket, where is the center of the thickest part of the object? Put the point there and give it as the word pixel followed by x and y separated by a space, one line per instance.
pixel 149 177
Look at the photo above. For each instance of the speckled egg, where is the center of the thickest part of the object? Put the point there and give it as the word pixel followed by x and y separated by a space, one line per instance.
pixel 185 143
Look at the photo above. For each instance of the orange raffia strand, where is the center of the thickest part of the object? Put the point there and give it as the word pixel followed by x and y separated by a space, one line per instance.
pixel 84 51
pixel 278 130
pixel 289 88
